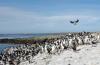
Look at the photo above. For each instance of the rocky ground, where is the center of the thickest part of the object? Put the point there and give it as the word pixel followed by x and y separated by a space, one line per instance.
pixel 86 55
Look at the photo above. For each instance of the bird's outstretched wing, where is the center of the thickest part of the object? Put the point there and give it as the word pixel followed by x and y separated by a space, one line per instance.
pixel 71 22
pixel 77 21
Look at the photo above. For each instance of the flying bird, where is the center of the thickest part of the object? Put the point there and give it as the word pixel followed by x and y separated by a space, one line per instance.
pixel 74 22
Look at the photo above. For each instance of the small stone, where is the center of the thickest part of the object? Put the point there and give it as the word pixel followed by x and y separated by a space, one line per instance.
pixel 69 64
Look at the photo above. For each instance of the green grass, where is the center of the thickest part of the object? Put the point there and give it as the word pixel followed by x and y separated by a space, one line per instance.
pixel 28 40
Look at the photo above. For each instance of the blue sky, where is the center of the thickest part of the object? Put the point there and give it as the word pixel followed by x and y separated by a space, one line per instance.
pixel 48 16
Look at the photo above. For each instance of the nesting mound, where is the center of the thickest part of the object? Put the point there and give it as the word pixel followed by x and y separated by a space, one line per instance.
pixel 86 55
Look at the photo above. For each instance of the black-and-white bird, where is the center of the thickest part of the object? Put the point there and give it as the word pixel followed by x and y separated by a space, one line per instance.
pixel 74 22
